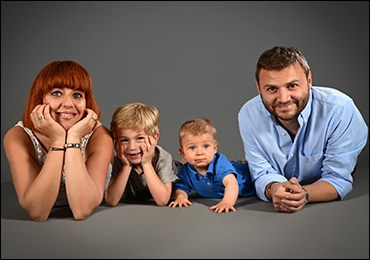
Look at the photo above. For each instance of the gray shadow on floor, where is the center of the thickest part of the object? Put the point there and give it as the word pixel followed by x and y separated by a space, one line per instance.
pixel 10 208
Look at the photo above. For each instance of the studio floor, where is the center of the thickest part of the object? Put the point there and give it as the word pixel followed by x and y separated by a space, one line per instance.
pixel 338 229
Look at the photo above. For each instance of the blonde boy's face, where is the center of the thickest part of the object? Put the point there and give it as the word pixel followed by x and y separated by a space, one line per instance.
pixel 129 141
pixel 199 150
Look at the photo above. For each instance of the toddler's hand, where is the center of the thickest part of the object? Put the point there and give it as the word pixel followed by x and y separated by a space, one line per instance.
pixel 222 206
pixel 180 202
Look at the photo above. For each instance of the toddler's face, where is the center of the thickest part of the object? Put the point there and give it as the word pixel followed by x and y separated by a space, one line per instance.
pixel 130 140
pixel 199 150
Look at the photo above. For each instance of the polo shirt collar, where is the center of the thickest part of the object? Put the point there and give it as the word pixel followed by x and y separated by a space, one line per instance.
pixel 210 168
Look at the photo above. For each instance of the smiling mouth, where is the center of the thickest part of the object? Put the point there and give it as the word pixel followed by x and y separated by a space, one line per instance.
pixel 134 155
pixel 284 108
pixel 65 115
pixel 285 105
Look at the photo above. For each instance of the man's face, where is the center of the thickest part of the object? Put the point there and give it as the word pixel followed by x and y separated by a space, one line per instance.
pixel 285 92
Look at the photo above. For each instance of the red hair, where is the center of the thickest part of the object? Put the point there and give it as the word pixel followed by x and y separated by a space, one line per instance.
pixel 63 74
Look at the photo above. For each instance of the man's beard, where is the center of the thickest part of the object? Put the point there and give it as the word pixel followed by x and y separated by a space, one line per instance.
pixel 301 104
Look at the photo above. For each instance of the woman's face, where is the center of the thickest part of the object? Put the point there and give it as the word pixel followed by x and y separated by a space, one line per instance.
pixel 67 106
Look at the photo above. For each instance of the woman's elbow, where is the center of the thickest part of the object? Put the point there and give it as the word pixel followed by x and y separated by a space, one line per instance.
pixel 82 215
pixel 82 212
pixel 38 217
pixel 35 214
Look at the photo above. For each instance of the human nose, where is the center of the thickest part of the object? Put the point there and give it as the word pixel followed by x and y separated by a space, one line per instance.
pixel 131 145
pixel 67 101
pixel 200 151
pixel 284 95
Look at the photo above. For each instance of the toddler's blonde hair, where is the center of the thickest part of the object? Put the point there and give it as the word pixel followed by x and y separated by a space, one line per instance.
pixel 137 116
pixel 197 127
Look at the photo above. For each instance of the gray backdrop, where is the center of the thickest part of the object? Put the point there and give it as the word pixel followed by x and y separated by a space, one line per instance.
pixel 190 60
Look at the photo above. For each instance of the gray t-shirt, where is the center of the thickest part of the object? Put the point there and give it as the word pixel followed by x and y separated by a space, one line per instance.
pixel 136 185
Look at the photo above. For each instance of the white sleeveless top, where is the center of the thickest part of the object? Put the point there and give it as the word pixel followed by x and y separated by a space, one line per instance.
pixel 41 157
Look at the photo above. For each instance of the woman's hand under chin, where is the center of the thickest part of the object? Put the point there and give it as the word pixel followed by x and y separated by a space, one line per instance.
pixel 82 127
pixel 46 125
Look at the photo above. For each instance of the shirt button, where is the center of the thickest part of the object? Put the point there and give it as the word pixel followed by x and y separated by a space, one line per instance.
pixel 283 133
pixel 289 173
pixel 292 154
pixel 201 177
pixel 208 183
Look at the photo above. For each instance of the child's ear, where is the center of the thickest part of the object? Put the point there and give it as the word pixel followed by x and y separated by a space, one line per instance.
pixel 216 147
pixel 183 159
pixel 156 136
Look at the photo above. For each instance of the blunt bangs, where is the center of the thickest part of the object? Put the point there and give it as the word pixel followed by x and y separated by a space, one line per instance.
pixel 66 74
pixel 59 74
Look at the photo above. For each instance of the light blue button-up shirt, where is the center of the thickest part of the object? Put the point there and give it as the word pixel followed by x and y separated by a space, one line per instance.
pixel 331 135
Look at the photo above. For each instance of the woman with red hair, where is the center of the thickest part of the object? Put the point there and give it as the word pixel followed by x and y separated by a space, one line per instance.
pixel 59 153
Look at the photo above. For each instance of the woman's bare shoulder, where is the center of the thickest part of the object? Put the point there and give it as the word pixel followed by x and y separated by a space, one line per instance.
pixel 102 131
pixel 16 138
pixel 100 143
pixel 101 136
pixel 15 133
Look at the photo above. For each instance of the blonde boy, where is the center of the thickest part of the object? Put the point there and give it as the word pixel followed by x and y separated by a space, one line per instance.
pixel 141 169
pixel 209 173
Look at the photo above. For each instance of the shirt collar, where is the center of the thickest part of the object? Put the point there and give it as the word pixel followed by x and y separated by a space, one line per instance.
pixel 305 114
pixel 210 168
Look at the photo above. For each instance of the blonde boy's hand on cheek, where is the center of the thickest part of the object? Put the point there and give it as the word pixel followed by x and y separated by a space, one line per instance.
pixel 120 154
pixel 148 148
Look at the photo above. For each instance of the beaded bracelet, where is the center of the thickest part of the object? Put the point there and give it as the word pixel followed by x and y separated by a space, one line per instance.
pixel 77 145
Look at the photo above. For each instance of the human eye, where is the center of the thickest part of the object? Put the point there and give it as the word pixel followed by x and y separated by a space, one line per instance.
pixel 78 95
pixel 191 148
pixel 141 139
pixel 123 140
pixel 206 146
pixel 56 93
pixel 271 89
pixel 293 86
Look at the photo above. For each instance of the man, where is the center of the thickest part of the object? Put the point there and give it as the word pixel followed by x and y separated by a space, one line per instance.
pixel 301 141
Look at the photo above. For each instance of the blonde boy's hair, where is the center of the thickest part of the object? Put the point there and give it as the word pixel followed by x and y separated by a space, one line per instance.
pixel 197 127
pixel 137 116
